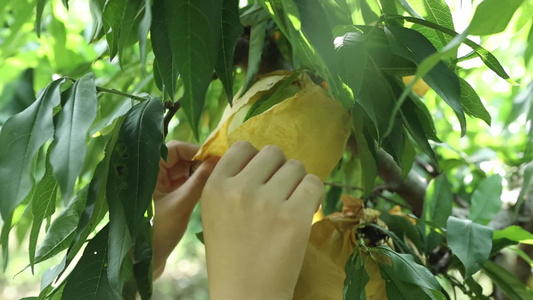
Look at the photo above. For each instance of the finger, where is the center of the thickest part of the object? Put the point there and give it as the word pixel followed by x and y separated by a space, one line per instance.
pixel 179 151
pixel 286 179
pixel 235 159
pixel 308 195
pixel 264 164
pixel 192 188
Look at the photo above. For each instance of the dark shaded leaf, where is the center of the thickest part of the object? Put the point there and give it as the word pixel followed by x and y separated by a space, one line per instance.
pixel 366 149
pixel 134 161
pixel 404 266
pixel 89 280
pixel 142 265
pixel 257 41
pixel 356 279
pixel 414 46
pixel 484 22
pixel 19 143
pixel 231 30
pixel 352 60
pixel 470 242
pixel 63 229
pixel 144 29
pixel 72 125
pixel 42 206
pixel 485 201
pixel 471 103
pixel 331 200
pixel 194 31
pixel 165 66
pixel 527 181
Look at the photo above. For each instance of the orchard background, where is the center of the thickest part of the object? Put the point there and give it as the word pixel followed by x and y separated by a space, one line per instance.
pixel 457 159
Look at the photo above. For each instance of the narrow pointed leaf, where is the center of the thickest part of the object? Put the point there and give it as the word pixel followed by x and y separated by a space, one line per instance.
pixel 507 282
pixel 231 30
pixel 352 59
pixel 439 201
pixel 72 126
pixel 356 279
pixel 42 206
pixel 414 46
pixel 165 66
pixel 142 265
pixel 144 29
pixel 515 233
pixel 470 242
pixel 471 103
pixel 20 139
pixel 438 12
pixel 257 41
pixel 194 31
pixel 39 15
pixel 89 280
pixel 134 163
pixel 63 229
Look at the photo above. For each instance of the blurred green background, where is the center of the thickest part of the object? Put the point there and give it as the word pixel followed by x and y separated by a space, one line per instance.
pixel 29 63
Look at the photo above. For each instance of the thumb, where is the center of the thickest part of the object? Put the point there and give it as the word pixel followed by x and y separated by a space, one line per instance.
pixel 195 184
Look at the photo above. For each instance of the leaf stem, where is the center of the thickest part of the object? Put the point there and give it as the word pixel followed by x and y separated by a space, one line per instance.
pixel 100 89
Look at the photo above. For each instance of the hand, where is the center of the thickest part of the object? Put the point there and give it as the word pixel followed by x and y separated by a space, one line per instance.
pixel 175 196
pixel 257 209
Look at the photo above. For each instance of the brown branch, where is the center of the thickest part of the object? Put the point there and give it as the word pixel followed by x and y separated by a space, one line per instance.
pixel 172 109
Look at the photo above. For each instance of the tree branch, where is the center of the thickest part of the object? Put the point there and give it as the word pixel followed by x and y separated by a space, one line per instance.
pixel 172 109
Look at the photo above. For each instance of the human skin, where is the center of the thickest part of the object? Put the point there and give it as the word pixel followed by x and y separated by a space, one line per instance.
pixel 257 209
pixel 175 197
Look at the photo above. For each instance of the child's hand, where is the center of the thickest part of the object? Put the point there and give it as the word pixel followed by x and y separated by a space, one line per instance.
pixel 257 210
pixel 175 196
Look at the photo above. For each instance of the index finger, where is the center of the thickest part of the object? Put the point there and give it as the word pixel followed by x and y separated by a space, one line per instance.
pixel 235 159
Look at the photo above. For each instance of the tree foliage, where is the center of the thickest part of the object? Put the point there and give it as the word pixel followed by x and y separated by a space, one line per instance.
pixel 112 88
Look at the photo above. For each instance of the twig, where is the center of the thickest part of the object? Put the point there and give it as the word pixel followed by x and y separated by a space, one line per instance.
pixel 172 108
pixel 100 89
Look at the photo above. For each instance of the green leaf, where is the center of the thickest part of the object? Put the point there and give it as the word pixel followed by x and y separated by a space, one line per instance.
pixel 485 202
pixel 120 241
pixel 488 58
pixel 484 22
pixel 20 139
pixel 120 16
pixel 142 265
pixel 514 233
pixel 134 163
pixel 257 41
pixel 527 181
pixel 414 46
pixel 439 201
pixel 39 15
pixel 367 151
pixel 253 15
pixel 42 206
pixel 331 200
pixel 63 229
pixel 144 29
pixel 403 228
pixel 471 103
pixel 165 66
pixel 194 31
pixel 231 30
pixel 507 282
pixel 88 280
pixel 352 60
pixel 404 265
pixel 438 12
pixel 96 7
pixel 470 242
pixel 282 91
pixel 72 125
pixel 356 279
